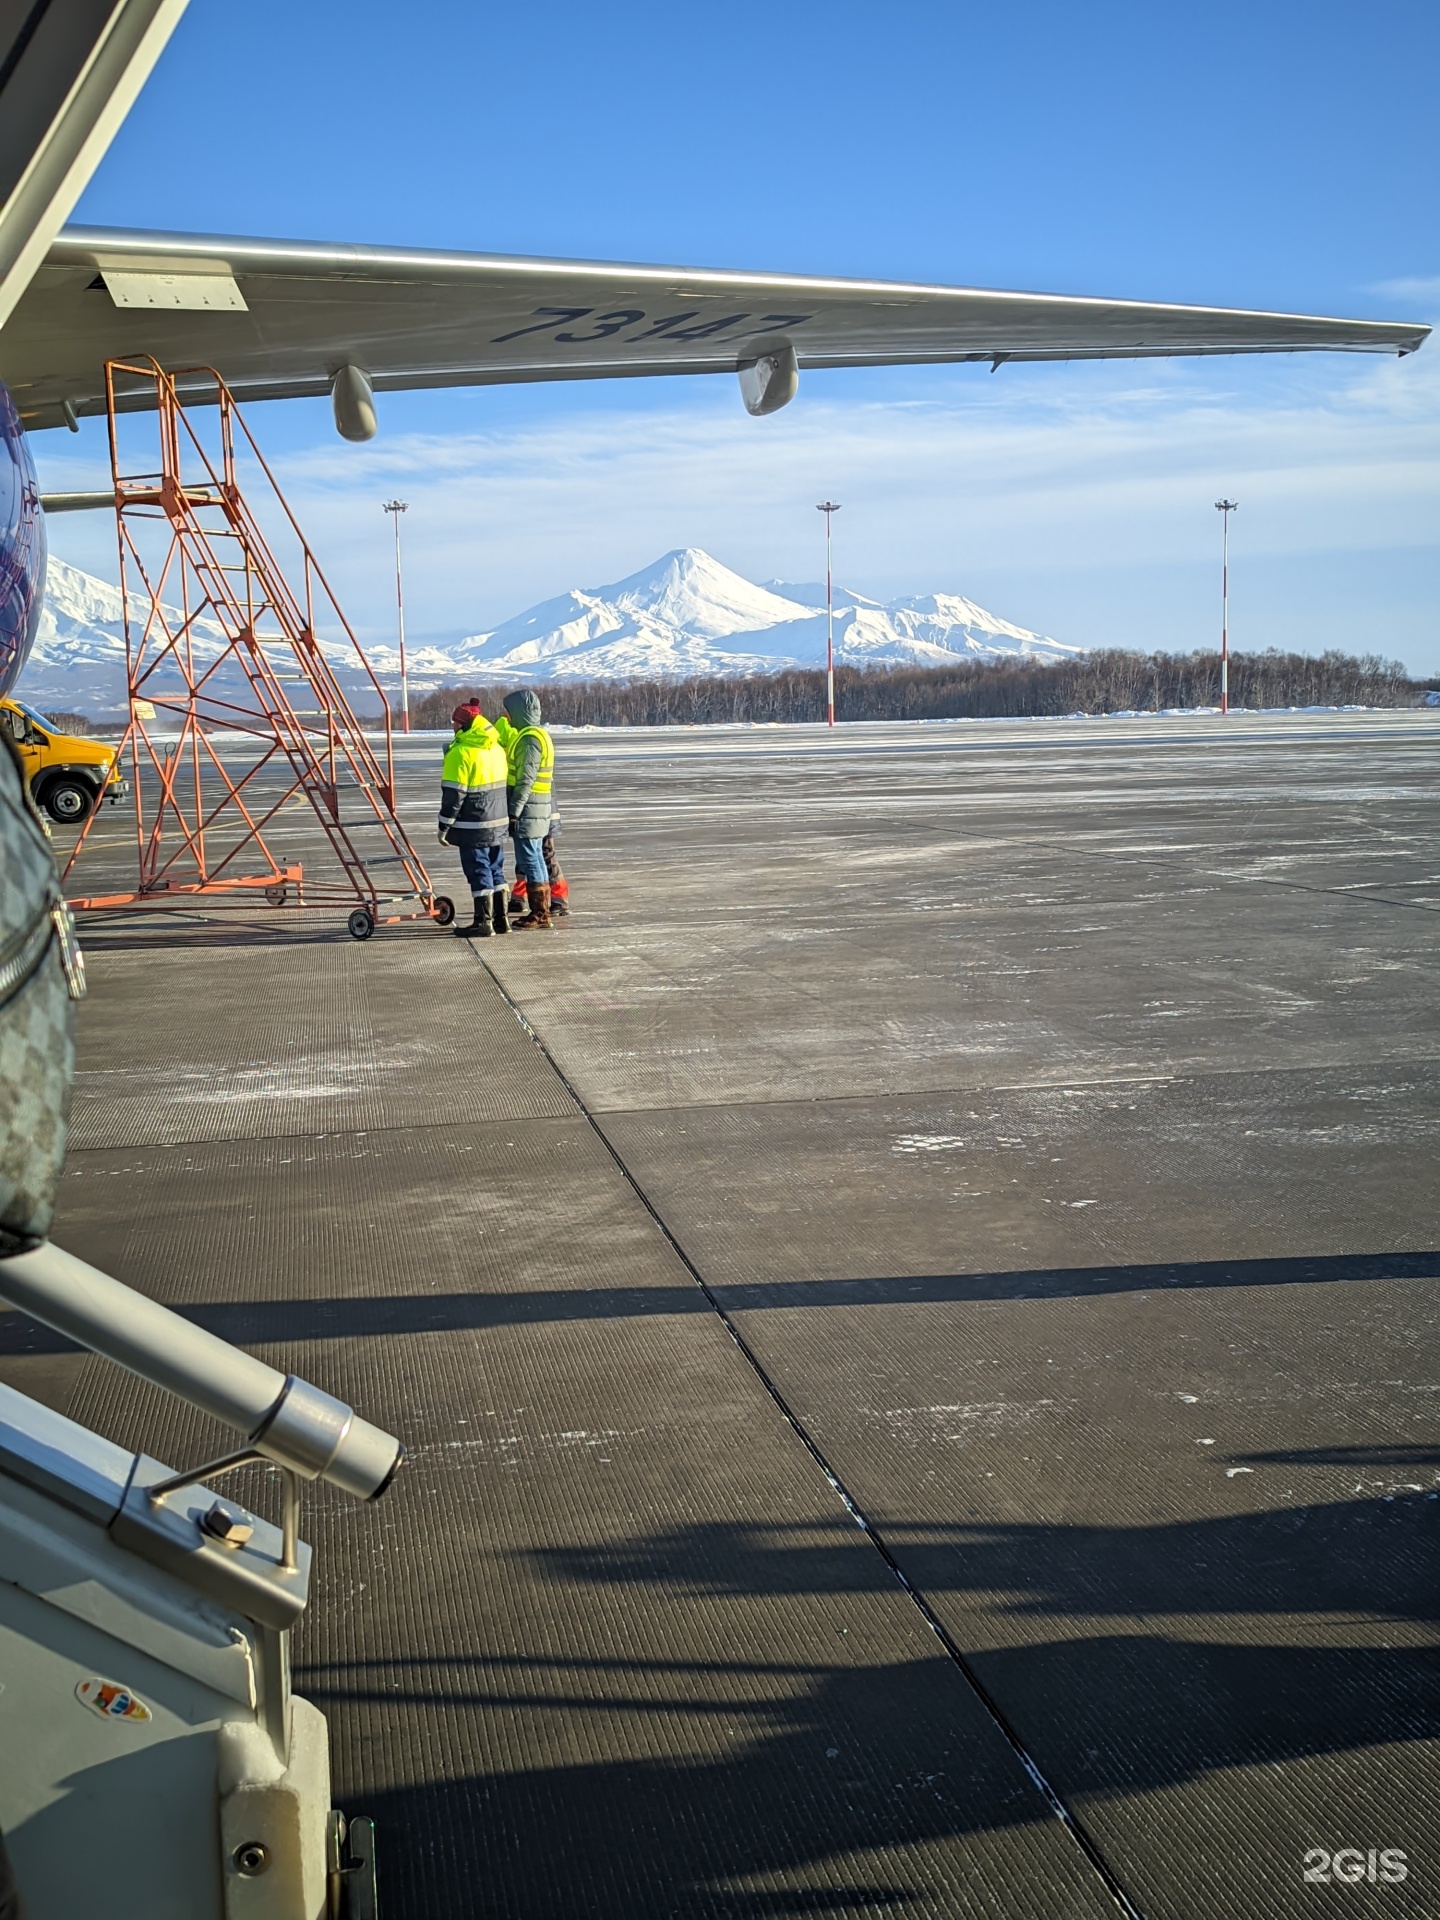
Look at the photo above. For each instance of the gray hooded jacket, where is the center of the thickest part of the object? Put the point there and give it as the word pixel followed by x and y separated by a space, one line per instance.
pixel 529 811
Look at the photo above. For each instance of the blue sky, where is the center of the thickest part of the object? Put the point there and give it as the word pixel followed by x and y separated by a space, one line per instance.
pixel 1271 155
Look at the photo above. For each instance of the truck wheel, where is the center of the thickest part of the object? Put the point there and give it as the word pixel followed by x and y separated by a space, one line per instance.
pixel 68 800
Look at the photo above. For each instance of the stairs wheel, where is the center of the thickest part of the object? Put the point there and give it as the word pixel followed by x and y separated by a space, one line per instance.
pixel 443 909
pixel 362 923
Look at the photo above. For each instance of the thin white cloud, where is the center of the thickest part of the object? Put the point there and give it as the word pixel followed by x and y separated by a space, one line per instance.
pixel 1425 292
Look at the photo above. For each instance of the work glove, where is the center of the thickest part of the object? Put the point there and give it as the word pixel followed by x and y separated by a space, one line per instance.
pixel 444 837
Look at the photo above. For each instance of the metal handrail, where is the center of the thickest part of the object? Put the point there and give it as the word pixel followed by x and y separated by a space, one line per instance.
pixel 283 1418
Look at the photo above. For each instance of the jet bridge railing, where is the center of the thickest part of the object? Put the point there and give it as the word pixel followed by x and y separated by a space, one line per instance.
pixel 144 1629
pixel 283 1419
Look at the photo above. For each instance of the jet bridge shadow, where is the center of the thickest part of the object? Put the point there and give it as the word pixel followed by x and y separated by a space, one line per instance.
pixel 1099 1716
pixel 1375 1557
pixel 256 1322
pixel 819 1791
pixel 1107 1715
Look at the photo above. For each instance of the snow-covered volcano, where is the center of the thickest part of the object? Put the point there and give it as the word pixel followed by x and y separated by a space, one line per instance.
pixel 685 614
pixel 78 661
pixel 688 614
pixel 77 664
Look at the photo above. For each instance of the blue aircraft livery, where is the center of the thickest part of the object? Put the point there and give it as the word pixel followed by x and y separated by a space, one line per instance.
pixel 22 546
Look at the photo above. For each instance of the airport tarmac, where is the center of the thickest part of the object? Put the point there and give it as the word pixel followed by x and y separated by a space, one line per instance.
pixel 913 1313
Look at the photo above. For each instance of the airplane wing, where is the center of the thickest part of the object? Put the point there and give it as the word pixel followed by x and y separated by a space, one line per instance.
pixel 279 318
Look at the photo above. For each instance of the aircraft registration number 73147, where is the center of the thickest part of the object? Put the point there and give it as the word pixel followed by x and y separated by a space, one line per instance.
pixel 673 327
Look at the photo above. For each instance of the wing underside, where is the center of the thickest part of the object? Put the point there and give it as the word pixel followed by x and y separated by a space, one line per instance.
pixel 278 319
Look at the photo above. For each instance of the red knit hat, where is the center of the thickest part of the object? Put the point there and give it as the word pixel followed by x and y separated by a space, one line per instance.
pixel 463 715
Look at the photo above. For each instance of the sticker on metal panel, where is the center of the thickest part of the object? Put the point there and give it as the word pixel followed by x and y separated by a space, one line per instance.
pixel 110 1700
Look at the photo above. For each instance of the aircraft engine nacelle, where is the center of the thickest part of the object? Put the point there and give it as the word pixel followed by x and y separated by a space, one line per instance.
pixel 353 399
pixel 771 382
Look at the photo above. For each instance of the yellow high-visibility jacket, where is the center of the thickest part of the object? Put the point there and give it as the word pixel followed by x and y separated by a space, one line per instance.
pixel 474 786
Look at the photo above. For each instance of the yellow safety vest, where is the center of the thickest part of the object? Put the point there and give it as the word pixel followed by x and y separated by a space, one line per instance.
pixel 544 778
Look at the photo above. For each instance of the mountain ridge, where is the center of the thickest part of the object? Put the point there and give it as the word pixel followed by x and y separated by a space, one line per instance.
pixel 685 614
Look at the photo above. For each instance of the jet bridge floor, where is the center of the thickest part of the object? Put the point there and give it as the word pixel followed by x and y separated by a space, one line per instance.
pixel 1029 1131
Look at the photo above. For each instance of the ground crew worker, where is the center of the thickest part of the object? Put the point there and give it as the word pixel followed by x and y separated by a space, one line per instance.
pixel 531 775
pixel 554 873
pixel 473 816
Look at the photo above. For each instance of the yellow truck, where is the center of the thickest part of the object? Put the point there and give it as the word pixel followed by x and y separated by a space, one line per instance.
pixel 67 774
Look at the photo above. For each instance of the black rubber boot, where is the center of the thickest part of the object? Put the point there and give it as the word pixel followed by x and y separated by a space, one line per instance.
pixel 497 909
pixel 479 927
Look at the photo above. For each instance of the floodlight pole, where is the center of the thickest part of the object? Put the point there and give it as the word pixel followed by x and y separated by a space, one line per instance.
pixel 397 507
pixel 1225 508
pixel 829 507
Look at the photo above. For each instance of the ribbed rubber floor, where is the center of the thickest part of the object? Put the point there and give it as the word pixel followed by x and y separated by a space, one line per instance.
pixel 1053 1113
pixel 295 1039
pixel 1058 1121
pixel 611 1645
pixel 1181 1515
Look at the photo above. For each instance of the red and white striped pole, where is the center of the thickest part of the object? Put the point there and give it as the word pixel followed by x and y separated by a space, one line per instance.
pixel 1225 509
pixel 829 507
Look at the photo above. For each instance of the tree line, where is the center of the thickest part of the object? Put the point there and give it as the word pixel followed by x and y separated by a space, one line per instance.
pixel 1108 681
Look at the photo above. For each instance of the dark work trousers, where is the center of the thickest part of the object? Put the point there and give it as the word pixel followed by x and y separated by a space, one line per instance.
pixel 483 864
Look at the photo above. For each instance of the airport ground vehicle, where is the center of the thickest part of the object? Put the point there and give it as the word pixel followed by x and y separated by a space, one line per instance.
pixel 68 774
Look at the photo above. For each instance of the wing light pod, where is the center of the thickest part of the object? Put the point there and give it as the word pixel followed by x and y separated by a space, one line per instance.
pixel 769 383
pixel 353 399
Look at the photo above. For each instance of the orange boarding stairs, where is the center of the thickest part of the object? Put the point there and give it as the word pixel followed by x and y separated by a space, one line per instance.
pixel 237 711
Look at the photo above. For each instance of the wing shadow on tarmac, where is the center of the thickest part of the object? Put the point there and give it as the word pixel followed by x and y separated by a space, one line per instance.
pixel 1418 1455
pixel 1377 1557
pixel 255 1322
